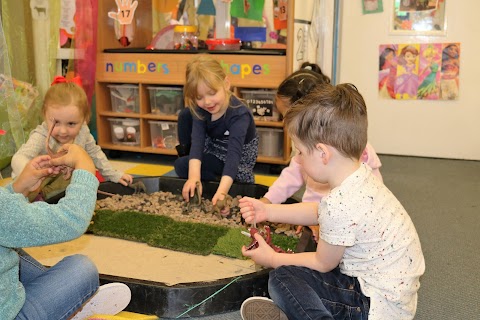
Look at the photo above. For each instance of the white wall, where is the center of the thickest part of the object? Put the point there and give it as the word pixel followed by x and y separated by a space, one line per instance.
pixel 443 129
pixel 318 32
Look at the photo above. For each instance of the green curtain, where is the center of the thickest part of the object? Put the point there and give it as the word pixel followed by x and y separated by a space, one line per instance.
pixel 20 105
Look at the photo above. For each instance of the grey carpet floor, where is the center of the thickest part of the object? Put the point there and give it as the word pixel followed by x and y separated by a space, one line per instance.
pixel 443 198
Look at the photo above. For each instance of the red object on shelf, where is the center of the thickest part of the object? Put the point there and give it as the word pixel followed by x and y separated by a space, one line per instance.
pixel 223 44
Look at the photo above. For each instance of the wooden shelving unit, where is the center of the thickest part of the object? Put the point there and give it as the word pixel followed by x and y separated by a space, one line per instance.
pixel 166 68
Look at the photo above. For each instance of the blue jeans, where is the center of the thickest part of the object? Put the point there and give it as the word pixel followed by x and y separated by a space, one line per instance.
pixel 56 292
pixel 303 293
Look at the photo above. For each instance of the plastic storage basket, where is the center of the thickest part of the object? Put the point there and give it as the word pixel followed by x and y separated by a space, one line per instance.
pixel 262 104
pixel 166 100
pixel 270 142
pixel 164 134
pixel 124 98
pixel 125 131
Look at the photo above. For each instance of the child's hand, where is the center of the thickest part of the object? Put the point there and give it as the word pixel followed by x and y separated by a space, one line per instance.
pixel 33 174
pixel 253 210
pixel 126 180
pixel 263 255
pixel 76 157
pixel 188 190
pixel 223 202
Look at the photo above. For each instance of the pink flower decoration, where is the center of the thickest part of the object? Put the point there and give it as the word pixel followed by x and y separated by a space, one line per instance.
pixel 273 35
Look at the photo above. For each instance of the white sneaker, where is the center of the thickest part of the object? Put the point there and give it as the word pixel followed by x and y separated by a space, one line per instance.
pixel 261 308
pixel 110 299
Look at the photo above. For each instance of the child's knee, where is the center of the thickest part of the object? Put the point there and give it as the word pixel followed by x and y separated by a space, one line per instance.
pixel 81 265
pixel 181 167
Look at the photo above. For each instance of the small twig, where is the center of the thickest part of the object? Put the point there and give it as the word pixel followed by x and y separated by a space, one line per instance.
pixel 47 144
pixel 66 170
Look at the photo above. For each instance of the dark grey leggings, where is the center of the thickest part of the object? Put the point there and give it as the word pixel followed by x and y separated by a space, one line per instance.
pixel 212 167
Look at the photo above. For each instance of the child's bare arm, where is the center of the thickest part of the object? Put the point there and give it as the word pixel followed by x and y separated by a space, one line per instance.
pixel 325 259
pixel 194 176
pixel 298 213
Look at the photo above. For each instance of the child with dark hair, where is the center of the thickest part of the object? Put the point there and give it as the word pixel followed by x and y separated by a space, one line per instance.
pixel 299 84
pixel 295 87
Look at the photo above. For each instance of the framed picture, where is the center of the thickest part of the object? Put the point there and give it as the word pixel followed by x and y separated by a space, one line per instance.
pixel 419 17
pixel 372 6
pixel 419 71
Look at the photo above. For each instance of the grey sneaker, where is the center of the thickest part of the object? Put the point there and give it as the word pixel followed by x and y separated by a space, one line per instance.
pixel 109 299
pixel 261 308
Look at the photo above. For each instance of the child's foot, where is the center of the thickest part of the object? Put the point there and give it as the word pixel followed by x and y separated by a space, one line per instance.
pixel 110 299
pixel 261 308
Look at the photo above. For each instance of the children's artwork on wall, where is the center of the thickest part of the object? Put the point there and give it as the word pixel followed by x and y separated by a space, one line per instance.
pixel 67 23
pixel 427 71
pixel 280 14
pixel 417 5
pixel 372 6
pixel 419 17
pixel 450 70
pixel 248 9
pixel 406 82
pixel 387 70
pixel 124 23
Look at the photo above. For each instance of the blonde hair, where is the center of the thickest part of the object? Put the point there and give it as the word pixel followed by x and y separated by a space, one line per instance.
pixel 67 94
pixel 429 52
pixel 333 115
pixel 203 69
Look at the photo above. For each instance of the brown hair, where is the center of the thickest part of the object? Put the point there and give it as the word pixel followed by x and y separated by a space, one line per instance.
pixel 67 94
pixel 408 48
pixel 333 115
pixel 203 69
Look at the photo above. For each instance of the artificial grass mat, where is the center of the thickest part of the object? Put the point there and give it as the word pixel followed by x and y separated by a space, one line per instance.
pixel 164 232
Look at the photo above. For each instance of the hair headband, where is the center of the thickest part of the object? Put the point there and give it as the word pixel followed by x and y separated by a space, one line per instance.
pixel 60 79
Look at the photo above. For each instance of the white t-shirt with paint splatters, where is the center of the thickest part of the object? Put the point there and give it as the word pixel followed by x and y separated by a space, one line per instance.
pixel 382 246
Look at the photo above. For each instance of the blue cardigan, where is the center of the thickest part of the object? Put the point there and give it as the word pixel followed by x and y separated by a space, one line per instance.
pixel 24 224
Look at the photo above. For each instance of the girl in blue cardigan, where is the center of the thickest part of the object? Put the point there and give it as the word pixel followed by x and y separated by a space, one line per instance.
pixel 28 289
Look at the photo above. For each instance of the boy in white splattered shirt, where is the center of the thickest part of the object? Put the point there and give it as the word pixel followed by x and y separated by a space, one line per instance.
pixel 293 178
pixel 368 259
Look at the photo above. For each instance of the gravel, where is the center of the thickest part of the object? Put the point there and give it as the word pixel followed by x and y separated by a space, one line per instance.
pixel 172 205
